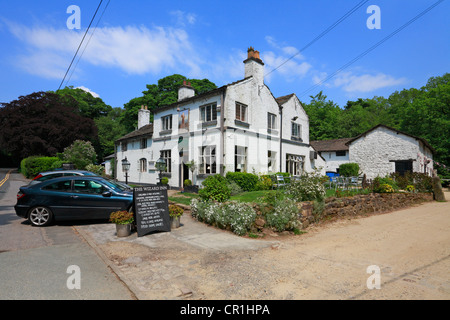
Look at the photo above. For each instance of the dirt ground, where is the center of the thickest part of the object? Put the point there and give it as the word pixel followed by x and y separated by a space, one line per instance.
pixel 410 248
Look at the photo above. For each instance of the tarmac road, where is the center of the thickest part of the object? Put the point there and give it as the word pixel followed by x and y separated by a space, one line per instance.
pixel 35 263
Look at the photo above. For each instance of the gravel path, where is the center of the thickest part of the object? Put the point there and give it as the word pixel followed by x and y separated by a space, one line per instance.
pixel 411 248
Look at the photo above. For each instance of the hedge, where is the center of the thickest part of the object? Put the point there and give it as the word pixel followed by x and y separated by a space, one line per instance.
pixel 349 169
pixel 247 181
pixel 31 166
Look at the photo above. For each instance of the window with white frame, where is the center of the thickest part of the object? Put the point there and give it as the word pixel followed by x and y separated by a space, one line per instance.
pixel 166 122
pixel 271 158
pixel 296 131
pixel 241 112
pixel 207 161
pixel 166 155
pixel 143 165
pixel 208 112
pixel 294 164
pixel 271 121
pixel 240 159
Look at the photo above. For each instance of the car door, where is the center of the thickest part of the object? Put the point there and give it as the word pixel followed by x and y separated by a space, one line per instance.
pixel 90 200
pixel 57 196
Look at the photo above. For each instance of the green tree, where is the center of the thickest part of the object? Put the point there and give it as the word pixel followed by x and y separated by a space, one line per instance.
pixel 324 118
pixel 80 153
pixel 109 130
pixel 88 105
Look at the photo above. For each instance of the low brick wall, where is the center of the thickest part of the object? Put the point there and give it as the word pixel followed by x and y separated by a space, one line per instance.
pixel 363 204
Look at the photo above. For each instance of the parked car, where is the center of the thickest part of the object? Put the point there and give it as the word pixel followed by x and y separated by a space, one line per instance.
pixel 72 198
pixel 46 175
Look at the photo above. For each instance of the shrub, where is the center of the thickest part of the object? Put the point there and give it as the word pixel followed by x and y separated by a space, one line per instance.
pixel 165 180
pixel 234 188
pixel 349 169
pixel 384 185
pixel 308 188
pixel 187 183
pixel 31 166
pixel 284 215
pixel 241 216
pixel 236 216
pixel 215 188
pixel 175 211
pixel 247 181
pixel 420 181
pixel 264 183
pixel 121 217
pixel 80 153
pixel 97 169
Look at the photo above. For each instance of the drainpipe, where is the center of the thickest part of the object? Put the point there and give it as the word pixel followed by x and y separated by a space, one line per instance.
pixel 281 139
pixel 222 132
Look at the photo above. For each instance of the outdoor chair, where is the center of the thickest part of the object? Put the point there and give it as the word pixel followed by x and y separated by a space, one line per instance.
pixel 279 182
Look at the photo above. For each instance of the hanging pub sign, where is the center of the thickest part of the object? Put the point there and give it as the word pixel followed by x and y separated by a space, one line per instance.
pixel 152 209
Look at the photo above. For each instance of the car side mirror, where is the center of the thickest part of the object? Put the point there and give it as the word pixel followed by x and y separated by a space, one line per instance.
pixel 107 194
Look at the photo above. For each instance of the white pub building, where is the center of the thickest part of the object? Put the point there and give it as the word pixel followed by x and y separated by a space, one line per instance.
pixel 237 127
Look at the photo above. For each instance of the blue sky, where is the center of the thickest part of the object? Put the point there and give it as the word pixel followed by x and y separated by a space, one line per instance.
pixel 138 42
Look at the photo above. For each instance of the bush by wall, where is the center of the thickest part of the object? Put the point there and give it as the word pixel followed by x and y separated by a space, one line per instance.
pixel 31 166
pixel 349 169
pixel 247 181
pixel 215 188
pixel 236 216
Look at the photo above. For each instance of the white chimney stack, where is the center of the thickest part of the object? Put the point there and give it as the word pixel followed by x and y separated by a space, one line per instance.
pixel 254 67
pixel 185 91
pixel 143 117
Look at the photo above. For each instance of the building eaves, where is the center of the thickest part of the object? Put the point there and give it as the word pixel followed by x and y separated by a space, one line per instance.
pixel 144 131
pixel 330 145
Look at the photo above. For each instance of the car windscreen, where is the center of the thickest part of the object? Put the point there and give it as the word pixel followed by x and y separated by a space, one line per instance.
pixel 117 186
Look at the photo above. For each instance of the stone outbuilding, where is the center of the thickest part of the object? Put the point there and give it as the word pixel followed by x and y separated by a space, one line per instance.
pixel 382 150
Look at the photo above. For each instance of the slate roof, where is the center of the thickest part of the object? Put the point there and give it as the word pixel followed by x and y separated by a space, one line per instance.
pixel 330 145
pixel 144 131
pixel 425 142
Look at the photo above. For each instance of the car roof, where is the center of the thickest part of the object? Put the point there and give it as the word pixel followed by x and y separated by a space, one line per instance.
pixel 64 171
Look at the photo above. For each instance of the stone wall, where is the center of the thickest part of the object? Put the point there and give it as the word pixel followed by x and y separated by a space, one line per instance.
pixel 365 204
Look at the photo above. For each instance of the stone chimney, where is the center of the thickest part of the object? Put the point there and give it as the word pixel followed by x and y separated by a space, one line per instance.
pixel 185 91
pixel 143 117
pixel 254 67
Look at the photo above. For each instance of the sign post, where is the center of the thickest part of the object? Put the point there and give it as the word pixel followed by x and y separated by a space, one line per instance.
pixel 152 209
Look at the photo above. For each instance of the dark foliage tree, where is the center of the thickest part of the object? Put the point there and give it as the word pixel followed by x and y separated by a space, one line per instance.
pixel 42 123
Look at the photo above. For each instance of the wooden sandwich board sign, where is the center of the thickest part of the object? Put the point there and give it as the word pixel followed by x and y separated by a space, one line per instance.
pixel 152 209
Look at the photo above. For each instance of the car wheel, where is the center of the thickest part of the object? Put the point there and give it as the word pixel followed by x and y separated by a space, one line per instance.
pixel 40 216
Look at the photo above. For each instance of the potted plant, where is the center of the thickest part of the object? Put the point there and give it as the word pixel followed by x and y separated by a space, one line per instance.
pixel 123 220
pixel 175 213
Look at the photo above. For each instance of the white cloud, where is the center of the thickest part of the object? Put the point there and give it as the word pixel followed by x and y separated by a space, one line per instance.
pixel 184 18
pixel 290 69
pixel 135 50
pixel 286 60
pixel 95 95
pixel 365 83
